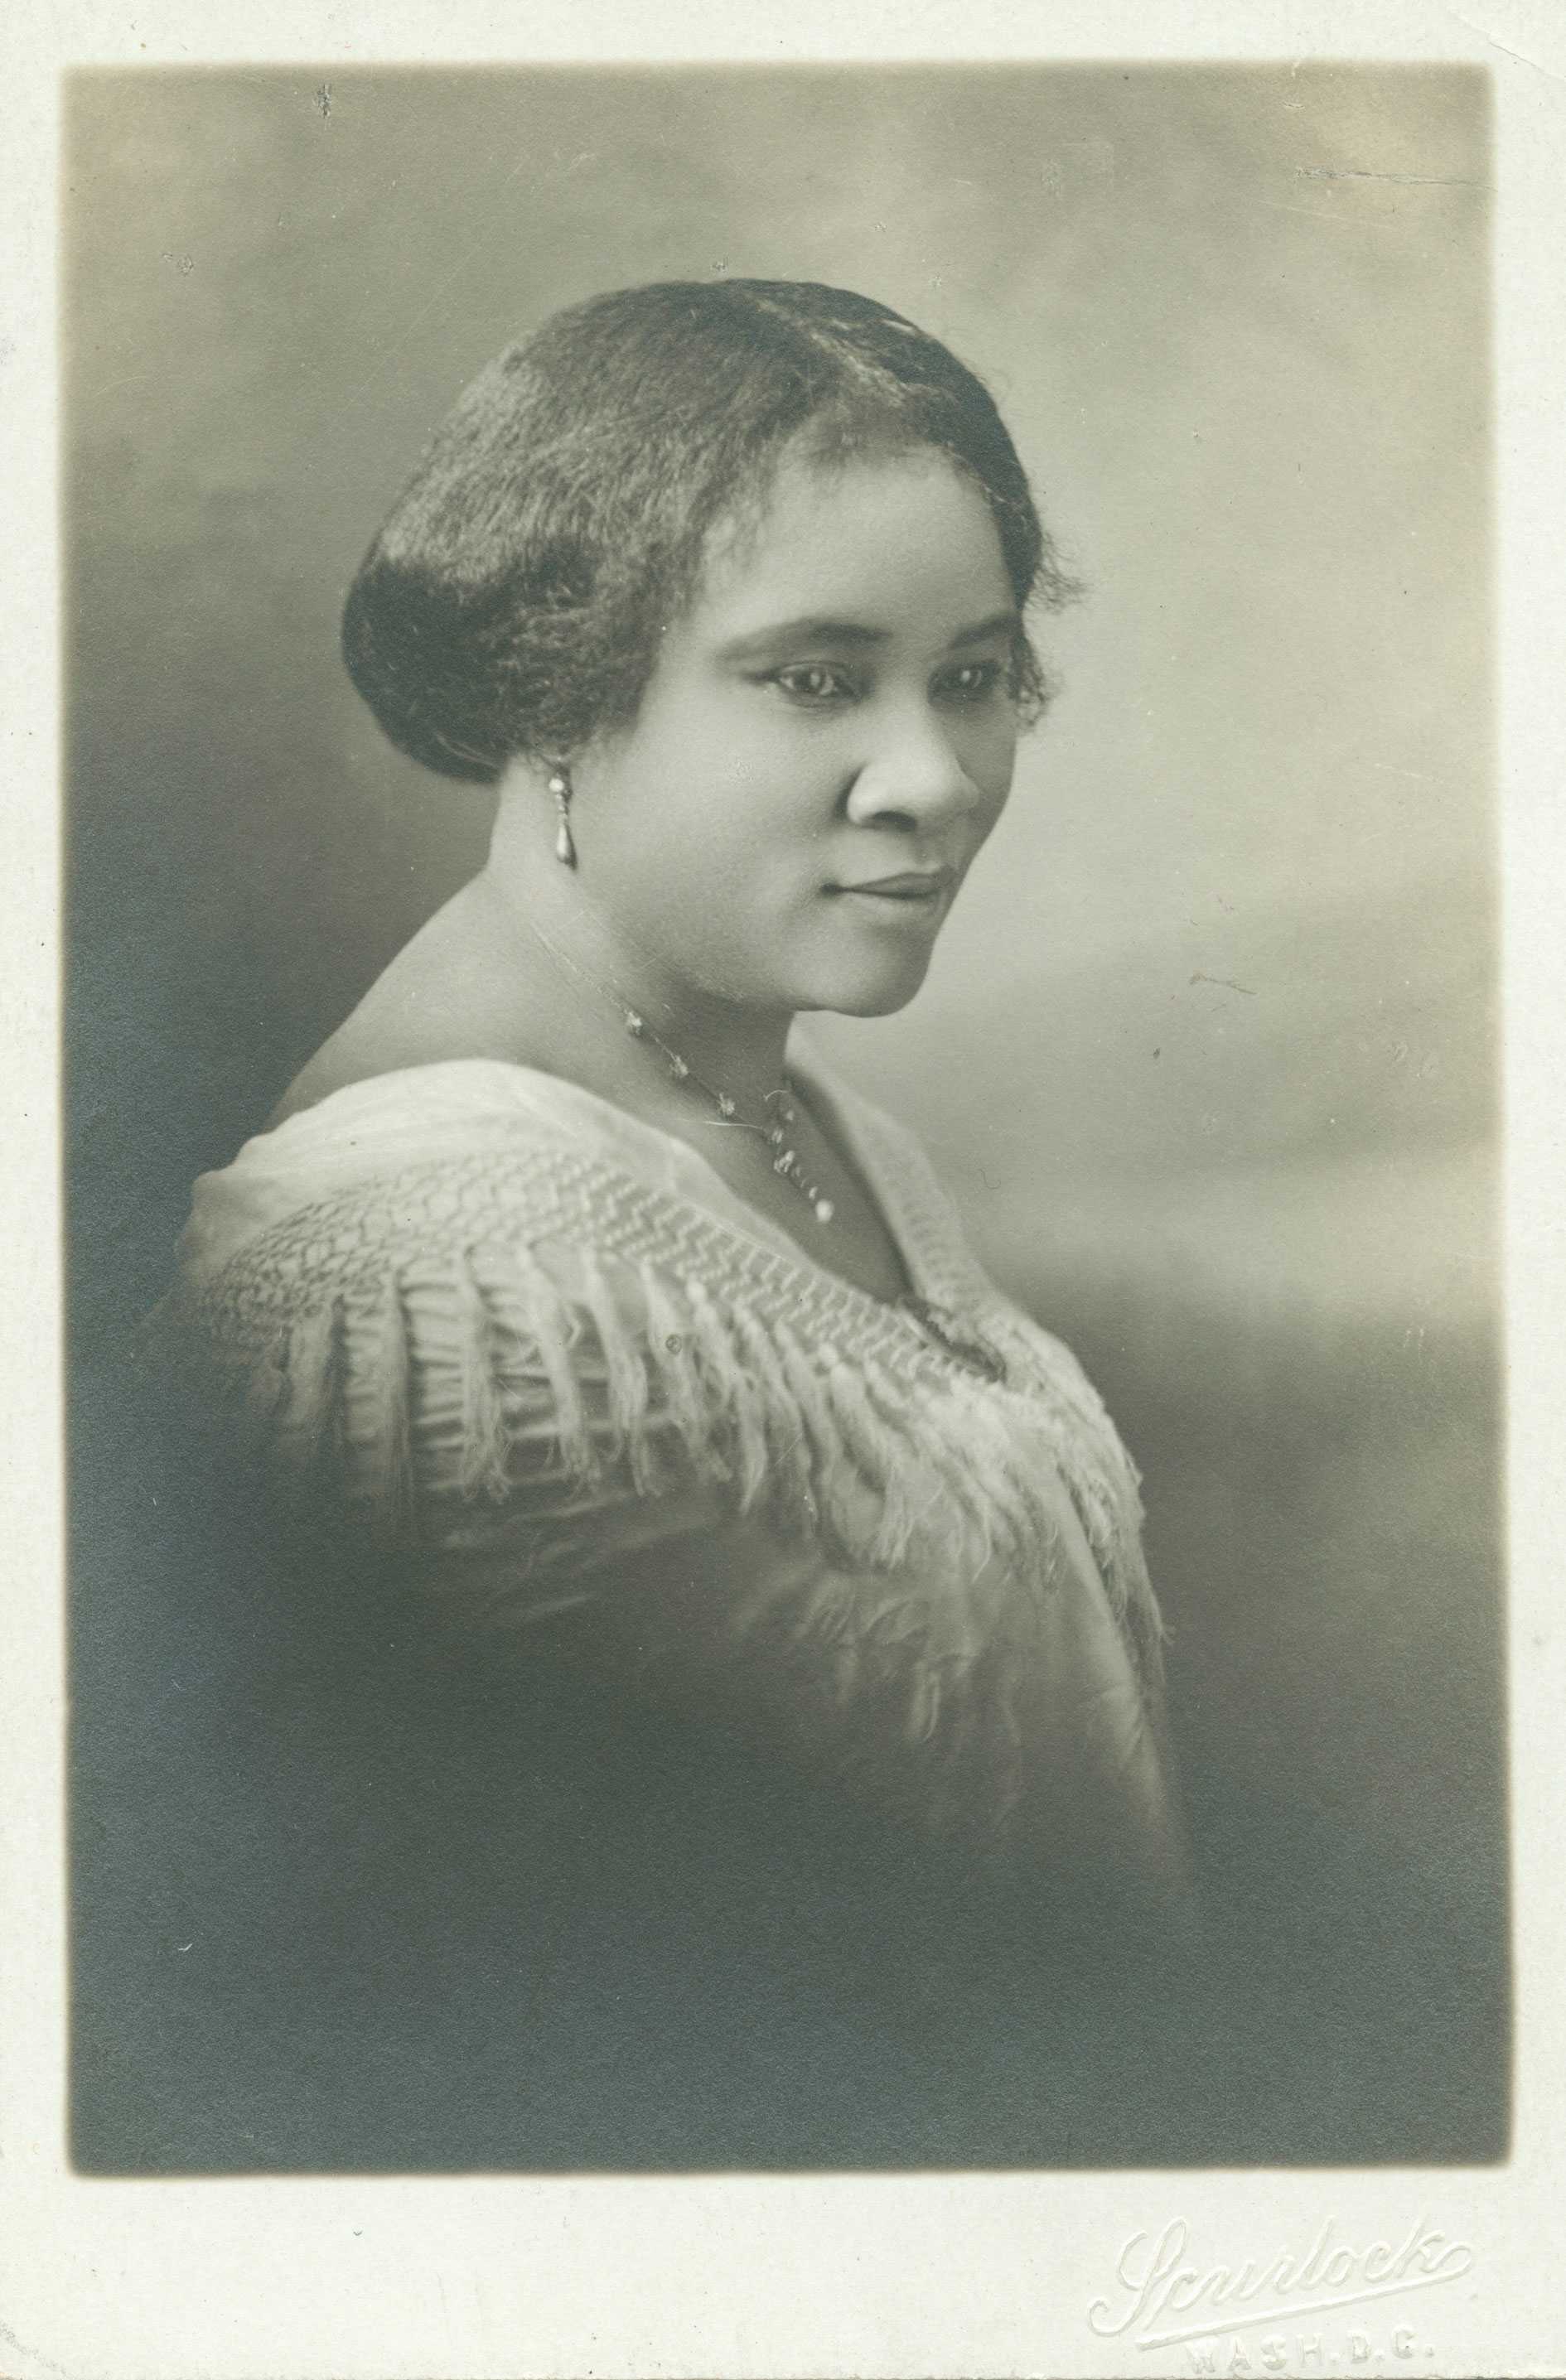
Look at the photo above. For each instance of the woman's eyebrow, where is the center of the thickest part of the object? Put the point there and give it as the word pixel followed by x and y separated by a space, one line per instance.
pixel 999 623
pixel 815 628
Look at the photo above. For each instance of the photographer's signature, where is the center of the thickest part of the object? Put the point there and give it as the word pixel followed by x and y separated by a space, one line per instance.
pixel 1166 2298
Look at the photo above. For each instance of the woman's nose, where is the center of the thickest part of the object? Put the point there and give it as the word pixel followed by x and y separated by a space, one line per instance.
pixel 914 771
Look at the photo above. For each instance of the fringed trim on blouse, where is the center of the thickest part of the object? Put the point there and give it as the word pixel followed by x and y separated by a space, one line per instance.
pixel 375 1342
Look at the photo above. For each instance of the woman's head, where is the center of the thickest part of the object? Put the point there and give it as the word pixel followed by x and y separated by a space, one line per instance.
pixel 514 602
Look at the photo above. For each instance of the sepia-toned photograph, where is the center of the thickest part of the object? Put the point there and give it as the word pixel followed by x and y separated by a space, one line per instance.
pixel 782 1058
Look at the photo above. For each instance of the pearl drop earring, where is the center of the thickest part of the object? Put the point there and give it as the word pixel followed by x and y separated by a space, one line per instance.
pixel 565 848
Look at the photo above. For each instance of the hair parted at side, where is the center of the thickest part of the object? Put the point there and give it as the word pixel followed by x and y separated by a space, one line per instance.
pixel 514 601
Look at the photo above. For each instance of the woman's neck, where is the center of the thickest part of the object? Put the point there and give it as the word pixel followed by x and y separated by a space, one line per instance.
pixel 573 972
pixel 521 965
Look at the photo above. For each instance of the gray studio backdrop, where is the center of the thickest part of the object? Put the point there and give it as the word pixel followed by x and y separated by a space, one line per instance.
pixel 1208 1054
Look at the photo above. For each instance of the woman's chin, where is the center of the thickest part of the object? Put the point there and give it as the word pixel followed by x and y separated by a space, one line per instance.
pixel 870 991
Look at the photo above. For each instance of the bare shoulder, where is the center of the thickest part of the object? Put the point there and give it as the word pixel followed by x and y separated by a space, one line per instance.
pixel 448 993
pixel 341 1060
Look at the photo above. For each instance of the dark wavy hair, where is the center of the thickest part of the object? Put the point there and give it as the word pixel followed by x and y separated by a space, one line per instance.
pixel 514 601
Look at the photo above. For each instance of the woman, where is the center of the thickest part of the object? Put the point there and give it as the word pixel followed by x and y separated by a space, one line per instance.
pixel 560 1278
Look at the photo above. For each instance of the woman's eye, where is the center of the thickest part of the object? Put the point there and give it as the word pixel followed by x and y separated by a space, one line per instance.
pixel 813 683
pixel 972 681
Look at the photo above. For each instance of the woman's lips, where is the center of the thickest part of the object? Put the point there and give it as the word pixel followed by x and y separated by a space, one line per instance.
pixel 910 888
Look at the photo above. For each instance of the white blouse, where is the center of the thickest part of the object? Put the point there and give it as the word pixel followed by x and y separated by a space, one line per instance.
pixel 580 1388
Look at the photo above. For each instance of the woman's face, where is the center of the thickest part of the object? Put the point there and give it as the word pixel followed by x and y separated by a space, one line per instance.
pixel 825 742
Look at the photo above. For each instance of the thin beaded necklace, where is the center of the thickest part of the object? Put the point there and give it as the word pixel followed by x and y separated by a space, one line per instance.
pixel 966 1346
pixel 782 1115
